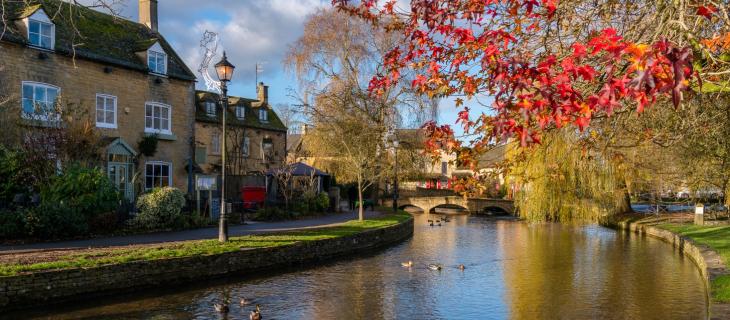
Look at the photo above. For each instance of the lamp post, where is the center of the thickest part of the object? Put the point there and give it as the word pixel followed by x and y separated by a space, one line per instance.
pixel 395 177
pixel 224 69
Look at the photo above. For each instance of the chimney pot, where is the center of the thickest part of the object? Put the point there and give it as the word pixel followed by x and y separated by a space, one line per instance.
pixel 148 13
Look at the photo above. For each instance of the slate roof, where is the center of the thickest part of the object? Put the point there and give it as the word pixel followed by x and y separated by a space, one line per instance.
pixel 101 37
pixel 251 119
pixel 299 169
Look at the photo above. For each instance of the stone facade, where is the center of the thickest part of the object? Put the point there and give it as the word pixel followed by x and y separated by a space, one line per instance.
pixel 27 290
pixel 112 63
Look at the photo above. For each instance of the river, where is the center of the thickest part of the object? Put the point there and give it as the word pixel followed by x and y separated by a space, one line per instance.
pixel 513 271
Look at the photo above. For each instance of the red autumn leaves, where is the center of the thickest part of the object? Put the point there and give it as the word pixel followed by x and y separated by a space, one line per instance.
pixel 476 47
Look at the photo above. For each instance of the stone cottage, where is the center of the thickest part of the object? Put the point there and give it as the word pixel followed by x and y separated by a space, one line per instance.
pixel 124 74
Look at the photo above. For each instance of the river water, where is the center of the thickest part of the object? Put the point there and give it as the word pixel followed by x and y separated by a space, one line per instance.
pixel 513 271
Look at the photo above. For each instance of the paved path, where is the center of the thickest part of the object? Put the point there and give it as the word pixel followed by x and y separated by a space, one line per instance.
pixel 194 234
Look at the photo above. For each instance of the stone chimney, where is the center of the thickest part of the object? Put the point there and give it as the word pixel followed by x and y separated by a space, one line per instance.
pixel 148 13
pixel 304 128
pixel 262 93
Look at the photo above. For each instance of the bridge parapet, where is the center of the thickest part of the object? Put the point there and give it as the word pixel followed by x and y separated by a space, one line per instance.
pixel 473 205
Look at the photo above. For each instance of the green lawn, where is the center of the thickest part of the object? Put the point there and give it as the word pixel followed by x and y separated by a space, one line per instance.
pixel 715 237
pixel 200 247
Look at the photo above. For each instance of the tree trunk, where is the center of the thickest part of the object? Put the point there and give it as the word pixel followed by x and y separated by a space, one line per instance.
pixel 360 211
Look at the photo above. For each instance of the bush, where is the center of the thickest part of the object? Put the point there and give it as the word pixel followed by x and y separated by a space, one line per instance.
pixel 271 214
pixel 12 224
pixel 313 203
pixel 85 190
pixel 53 221
pixel 191 220
pixel 160 208
pixel 14 175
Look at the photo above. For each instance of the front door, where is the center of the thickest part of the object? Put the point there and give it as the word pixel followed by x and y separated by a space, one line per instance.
pixel 119 174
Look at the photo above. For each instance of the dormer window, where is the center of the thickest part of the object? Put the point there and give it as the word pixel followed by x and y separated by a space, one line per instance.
pixel 41 31
pixel 240 112
pixel 157 59
pixel 263 115
pixel 210 108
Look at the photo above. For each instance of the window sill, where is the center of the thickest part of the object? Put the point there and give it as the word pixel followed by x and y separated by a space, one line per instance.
pixel 161 75
pixel 106 125
pixel 41 48
pixel 161 135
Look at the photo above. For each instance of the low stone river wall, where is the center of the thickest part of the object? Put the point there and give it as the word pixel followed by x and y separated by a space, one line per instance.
pixel 40 288
pixel 707 260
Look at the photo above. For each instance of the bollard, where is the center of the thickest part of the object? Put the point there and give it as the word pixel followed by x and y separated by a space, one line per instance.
pixel 699 214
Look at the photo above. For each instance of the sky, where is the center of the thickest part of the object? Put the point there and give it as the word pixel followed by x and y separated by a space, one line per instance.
pixel 250 31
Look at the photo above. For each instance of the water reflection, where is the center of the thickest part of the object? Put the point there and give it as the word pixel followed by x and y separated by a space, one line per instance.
pixel 513 271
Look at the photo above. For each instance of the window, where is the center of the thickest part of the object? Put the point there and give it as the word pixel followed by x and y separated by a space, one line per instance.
pixel 267 150
pixel 210 108
pixel 39 101
pixel 245 148
pixel 157 174
pixel 157 118
pixel 106 111
pixel 41 31
pixel 240 112
pixel 263 115
pixel 215 144
pixel 157 62
pixel 200 154
pixel 444 168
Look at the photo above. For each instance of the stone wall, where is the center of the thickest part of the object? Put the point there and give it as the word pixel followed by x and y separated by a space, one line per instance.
pixel 707 260
pixel 27 290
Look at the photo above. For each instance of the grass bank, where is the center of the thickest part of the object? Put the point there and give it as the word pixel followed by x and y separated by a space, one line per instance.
pixel 33 262
pixel 718 239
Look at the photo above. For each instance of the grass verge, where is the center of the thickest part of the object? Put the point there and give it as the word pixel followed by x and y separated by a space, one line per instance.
pixel 198 247
pixel 715 237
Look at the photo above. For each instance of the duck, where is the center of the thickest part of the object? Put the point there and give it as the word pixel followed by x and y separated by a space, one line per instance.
pixel 221 307
pixel 243 301
pixel 445 219
pixel 407 264
pixel 436 267
pixel 462 267
pixel 430 223
pixel 256 314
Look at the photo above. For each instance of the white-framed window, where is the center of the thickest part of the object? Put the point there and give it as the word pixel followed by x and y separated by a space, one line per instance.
pixel 246 147
pixel 240 112
pixel 41 31
pixel 157 174
pixel 157 59
pixel 106 111
pixel 215 143
pixel 267 150
pixel 210 108
pixel 157 118
pixel 263 115
pixel 39 101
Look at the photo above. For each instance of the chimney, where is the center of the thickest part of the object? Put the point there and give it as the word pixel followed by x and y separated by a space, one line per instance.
pixel 304 129
pixel 148 13
pixel 262 93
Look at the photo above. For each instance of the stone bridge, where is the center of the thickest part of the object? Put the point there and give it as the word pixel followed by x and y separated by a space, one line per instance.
pixel 472 205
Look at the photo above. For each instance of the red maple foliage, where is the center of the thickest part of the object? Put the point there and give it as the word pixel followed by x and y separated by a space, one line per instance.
pixel 476 47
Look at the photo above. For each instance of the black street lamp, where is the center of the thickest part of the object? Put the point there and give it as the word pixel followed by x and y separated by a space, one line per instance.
pixel 224 69
pixel 395 178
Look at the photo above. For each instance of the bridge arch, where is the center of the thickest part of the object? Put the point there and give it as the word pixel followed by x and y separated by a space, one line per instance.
pixel 411 208
pixel 495 211
pixel 458 209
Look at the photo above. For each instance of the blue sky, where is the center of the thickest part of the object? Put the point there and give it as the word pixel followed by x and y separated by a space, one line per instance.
pixel 250 31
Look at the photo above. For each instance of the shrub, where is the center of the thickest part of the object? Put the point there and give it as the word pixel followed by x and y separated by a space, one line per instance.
pixel 12 224
pixel 85 190
pixel 53 221
pixel 14 176
pixel 271 214
pixel 314 203
pixel 160 208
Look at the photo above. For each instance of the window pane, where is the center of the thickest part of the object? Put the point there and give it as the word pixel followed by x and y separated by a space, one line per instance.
pixel 27 91
pixel 148 122
pixel 28 106
pixel 39 94
pixel 35 39
pixel 110 117
pixel 46 30
pixel 46 42
pixel 52 94
pixel 156 123
pixel 34 27
pixel 149 183
pixel 148 110
pixel 157 112
pixel 165 124
pixel 99 116
pixel 165 170
pixel 164 113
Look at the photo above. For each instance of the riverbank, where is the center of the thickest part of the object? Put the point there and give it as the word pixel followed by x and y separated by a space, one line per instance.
pixel 66 275
pixel 707 246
